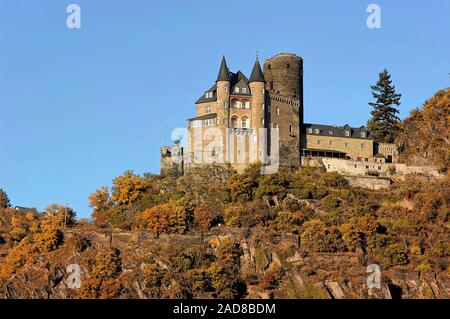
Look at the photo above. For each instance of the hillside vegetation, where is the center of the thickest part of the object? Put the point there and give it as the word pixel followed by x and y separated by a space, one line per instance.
pixel 215 234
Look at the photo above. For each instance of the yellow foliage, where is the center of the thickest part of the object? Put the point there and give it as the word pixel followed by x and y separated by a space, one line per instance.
pixel 127 188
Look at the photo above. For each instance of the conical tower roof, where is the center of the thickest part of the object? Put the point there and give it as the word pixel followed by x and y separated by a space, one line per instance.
pixel 224 75
pixel 257 73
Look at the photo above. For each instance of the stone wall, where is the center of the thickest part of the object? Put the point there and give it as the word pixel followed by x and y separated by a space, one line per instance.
pixel 358 168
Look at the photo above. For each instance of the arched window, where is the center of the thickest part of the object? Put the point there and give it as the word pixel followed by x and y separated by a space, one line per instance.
pixel 235 104
pixel 234 122
pixel 244 122
pixel 245 104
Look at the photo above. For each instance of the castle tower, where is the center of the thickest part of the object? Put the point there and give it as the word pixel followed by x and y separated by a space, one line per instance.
pixel 257 86
pixel 223 84
pixel 284 83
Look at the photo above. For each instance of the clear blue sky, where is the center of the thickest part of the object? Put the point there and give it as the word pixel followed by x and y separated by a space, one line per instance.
pixel 79 107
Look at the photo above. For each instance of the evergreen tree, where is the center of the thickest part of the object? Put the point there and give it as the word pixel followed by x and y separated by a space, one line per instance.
pixel 4 200
pixel 384 124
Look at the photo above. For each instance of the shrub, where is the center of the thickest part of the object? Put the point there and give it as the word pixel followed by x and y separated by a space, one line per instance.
pixel 330 202
pixel 252 214
pixel 319 238
pixel 333 180
pixel 289 222
pixel 204 217
pixel 107 265
pixel 271 279
pixel 242 187
pixel 273 185
pixel 165 218
pixel 351 236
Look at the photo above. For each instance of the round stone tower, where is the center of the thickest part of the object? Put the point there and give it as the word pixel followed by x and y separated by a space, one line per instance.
pixel 284 75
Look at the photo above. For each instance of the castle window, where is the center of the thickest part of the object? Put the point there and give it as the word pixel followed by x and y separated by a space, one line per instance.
pixel 330 132
pixel 234 122
pixel 236 90
pixel 271 85
pixel 225 89
pixel 347 133
pixel 290 128
pixel 245 105
pixel 262 121
pixel 235 104
pixel 310 130
pixel 208 109
pixel 317 131
pixel 287 66
pixel 363 134
pixel 346 145
pixel 244 90
pixel 244 123
pixel 278 111
pixel 318 142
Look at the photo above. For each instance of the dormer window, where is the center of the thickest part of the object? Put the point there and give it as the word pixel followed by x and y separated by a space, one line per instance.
pixel 363 134
pixel 244 90
pixel 310 130
pixel 317 131
pixel 347 133
pixel 330 132
pixel 236 90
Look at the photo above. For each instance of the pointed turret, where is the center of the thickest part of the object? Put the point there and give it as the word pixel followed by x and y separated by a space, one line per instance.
pixel 257 73
pixel 224 75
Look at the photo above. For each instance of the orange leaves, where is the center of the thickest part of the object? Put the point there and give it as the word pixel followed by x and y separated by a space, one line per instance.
pixel 165 218
pixel 127 188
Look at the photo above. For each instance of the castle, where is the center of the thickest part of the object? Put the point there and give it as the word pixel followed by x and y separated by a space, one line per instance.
pixel 242 120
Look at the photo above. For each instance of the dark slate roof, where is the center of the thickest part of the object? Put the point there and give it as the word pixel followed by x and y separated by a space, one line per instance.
pixel 257 73
pixel 223 72
pixel 24 209
pixel 204 117
pixel 204 99
pixel 241 84
pixel 339 131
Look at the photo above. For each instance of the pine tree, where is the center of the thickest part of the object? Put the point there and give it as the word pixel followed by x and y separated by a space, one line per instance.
pixel 384 124
pixel 4 200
